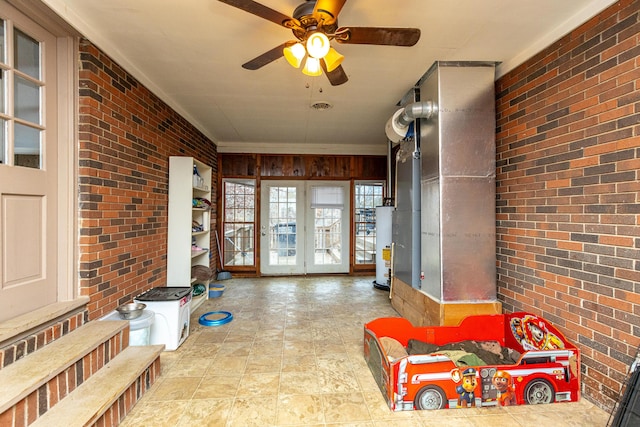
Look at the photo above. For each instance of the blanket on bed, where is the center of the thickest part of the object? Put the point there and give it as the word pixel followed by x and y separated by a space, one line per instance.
pixel 468 353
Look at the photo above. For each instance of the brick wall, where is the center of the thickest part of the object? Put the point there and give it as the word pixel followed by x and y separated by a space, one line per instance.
pixel 126 136
pixel 568 208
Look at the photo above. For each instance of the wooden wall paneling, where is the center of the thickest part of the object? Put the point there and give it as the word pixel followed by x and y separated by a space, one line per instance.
pixel 371 167
pixel 239 165
pixel 329 167
pixel 308 166
pixel 284 166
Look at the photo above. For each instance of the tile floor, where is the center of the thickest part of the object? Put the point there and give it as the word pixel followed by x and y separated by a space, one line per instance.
pixel 292 356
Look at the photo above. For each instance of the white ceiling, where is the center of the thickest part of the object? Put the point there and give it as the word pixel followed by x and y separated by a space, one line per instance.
pixel 190 52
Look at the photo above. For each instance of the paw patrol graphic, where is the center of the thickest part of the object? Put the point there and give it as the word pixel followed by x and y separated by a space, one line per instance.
pixel 504 384
pixel 516 329
pixel 466 390
pixel 534 334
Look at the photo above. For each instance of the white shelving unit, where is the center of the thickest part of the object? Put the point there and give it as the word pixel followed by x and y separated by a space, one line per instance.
pixel 181 256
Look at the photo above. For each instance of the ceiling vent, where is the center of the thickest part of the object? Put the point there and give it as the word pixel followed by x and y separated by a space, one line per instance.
pixel 321 105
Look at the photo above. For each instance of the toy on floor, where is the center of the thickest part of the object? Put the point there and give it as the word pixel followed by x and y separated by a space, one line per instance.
pixel 487 360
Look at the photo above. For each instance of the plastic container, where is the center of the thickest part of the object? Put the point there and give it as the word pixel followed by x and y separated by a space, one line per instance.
pixel 139 328
pixel 215 290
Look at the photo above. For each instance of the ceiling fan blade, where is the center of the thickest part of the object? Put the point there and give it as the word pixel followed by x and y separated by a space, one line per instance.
pixel 264 12
pixel 337 76
pixel 266 58
pixel 378 36
pixel 329 9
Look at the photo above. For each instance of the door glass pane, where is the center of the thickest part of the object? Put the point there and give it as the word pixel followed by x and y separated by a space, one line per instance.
pixel 327 236
pixel 282 225
pixel 27 100
pixel 27 146
pixel 3 139
pixel 3 79
pixel 3 53
pixel 27 54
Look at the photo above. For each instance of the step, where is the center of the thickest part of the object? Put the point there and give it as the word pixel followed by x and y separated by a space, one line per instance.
pixel 21 325
pixel 87 403
pixel 26 376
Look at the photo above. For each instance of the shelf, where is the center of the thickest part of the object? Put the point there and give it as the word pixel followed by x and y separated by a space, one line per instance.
pixel 182 216
pixel 197 301
pixel 198 253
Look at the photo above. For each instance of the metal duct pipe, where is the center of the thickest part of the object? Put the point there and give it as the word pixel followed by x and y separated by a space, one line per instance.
pixel 389 166
pixel 398 125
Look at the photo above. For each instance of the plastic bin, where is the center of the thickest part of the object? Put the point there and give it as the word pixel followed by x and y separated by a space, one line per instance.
pixel 215 290
pixel 139 328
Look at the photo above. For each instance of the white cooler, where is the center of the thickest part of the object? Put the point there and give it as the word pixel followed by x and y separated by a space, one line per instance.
pixel 139 328
pixel 172 308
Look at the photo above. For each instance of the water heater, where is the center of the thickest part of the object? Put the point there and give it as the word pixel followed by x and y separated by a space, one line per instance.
pixel 383 243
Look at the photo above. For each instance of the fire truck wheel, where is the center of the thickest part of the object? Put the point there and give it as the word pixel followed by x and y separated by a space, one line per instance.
pixel 430 397
pixel 539 391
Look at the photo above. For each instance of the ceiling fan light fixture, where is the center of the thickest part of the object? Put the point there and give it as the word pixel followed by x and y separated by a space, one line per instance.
pixel 318 45
pixel 294 54
pixel 333 59
pixel 312 67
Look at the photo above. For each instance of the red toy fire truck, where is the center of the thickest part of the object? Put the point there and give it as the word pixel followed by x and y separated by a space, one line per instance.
pixel 521 359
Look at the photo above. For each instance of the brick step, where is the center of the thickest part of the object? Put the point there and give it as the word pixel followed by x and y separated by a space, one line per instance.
pixel 107 396
pixel 35 383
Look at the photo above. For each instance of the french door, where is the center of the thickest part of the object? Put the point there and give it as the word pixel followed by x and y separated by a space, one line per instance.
pixel 304 227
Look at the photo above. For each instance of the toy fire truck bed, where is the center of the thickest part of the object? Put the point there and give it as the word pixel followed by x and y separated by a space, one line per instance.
pixel 487 360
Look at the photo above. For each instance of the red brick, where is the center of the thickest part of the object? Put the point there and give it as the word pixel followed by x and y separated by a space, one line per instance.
pixel 617 241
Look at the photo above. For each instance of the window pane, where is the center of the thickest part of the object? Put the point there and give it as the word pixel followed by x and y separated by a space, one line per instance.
pixel 3 79
pixel 3 138
pixel 238 244
pixel 282 225
pixel 27 100
pixel 27 54
pixel 327 236
pixel 27 146
pixel 3 51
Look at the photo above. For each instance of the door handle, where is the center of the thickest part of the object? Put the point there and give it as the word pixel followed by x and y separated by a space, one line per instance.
pixel 263 233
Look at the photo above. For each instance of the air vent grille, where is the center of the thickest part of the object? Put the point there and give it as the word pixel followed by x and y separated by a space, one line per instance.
pixel 321 105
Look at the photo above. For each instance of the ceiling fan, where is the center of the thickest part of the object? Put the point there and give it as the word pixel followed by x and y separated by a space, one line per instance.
pixel 314 23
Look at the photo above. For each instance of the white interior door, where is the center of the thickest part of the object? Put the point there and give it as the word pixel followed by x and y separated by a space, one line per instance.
pixel 304 227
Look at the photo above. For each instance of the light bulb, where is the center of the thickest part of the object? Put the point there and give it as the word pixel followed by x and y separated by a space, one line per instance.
pixel 294 54
pixel 318 45
pixel 312 67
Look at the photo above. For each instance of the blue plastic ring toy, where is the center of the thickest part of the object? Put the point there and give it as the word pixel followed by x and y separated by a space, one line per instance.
pixel 228 317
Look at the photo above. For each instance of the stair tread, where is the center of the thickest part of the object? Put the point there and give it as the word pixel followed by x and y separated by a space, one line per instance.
pixel 27 374
pixel 92 398
pixel 16 326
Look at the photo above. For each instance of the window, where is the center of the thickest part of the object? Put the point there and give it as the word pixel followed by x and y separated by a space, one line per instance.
pixel 239 222
pixel 368 195
pixel 21 94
